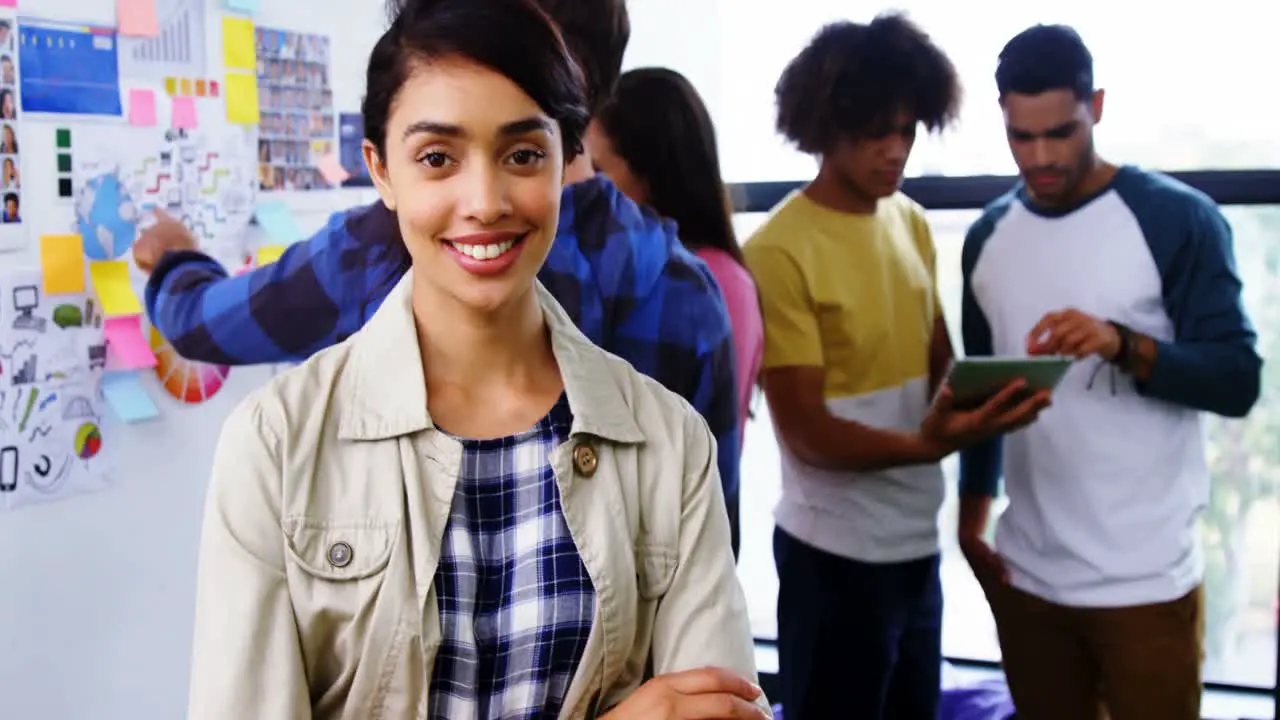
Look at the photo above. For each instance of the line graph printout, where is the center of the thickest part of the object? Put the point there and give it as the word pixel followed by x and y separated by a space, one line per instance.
pixel 177 50
pixel 203 177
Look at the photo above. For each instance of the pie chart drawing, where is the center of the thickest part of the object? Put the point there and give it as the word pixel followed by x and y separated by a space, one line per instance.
pixel 88 441
pixel 187 381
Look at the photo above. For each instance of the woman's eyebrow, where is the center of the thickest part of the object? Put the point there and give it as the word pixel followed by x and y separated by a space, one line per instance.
pixel 516 127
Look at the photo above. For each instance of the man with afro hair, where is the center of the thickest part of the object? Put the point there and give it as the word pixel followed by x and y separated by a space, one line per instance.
pixel 855 348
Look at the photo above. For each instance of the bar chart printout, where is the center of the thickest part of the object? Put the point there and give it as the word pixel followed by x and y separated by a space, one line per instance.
pixel 178 49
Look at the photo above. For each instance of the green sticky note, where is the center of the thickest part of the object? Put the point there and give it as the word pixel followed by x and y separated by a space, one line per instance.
pixel 64 163
pixel 64 137
pixel 64 187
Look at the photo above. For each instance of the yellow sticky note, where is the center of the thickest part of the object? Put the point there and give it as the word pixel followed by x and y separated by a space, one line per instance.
pixel 62 259
pixel 186 87
pixel 238 50
pixel 268 254
pixel 242 98
pixel 111 281
pixel 171 86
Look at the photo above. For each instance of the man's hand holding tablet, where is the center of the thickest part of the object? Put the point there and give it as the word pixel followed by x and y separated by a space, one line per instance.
pixel 951 428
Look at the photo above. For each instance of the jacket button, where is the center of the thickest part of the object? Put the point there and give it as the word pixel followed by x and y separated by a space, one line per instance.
pixel 340 554
pixel 585 460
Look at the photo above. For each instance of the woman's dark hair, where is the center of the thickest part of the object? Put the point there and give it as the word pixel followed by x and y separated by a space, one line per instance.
pixel 596 32
pixel 512 37
pixel 852 79
pixel 659 125
pixel 1043 58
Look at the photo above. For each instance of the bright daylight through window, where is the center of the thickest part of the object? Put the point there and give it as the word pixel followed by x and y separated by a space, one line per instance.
pixel 1166 109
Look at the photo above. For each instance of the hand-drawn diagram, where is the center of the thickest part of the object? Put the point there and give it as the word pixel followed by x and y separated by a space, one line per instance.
pixel 204 178
pixel 51 353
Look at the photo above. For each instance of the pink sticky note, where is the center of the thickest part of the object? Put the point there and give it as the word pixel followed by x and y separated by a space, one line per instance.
pixel 127 349
pixel 137 18
pixel 331 168
pixel 9 3
pixel 142 107
pixel 184 113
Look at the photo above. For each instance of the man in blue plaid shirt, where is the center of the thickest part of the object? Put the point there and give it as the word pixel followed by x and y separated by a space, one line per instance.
pixel 619 271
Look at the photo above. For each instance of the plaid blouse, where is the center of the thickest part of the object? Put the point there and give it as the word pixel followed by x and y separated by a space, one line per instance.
pixel 515 599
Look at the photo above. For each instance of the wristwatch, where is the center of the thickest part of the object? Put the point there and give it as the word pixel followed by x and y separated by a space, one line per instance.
pixel 1125 354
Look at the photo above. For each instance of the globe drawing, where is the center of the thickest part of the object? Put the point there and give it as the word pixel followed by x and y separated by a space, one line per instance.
pixel 107 216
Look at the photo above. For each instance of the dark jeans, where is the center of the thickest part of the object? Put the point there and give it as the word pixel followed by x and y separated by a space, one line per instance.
pixel 857 641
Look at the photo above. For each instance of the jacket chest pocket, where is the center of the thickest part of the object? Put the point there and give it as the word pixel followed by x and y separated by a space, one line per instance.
pixel 337 573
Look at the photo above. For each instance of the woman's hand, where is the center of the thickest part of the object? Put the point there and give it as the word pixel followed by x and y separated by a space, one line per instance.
pixel 702 694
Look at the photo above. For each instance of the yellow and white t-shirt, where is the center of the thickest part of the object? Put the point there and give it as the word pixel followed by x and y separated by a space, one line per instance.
pixel 856 295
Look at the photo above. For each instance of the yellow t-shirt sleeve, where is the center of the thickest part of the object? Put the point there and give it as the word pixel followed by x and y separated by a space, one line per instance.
pixel 791 336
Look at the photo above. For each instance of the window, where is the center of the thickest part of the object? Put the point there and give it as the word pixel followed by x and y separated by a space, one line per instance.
pixel 1182 93
pixel 1238 527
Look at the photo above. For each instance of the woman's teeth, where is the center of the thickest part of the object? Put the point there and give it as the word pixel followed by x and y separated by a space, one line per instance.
pixel 484 252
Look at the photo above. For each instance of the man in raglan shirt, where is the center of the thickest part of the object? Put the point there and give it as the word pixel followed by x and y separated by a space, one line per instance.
pixel 619 271
pixel 1095 580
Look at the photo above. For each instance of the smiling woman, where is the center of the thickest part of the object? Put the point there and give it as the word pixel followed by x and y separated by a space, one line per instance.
pixel 472 511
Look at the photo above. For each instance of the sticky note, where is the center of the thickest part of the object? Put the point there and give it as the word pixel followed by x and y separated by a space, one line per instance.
pixel 110 280
pixel 277 221
pixel 202 87
pixel 123 391
pixel 331 168
pixel 9 3
pixel 242 98
pixel 245 6
pixel 184 113
pixel 127 348
pixel 171 86
pixel 142 107
pixel 268 254
pixel 137 18
pixel 62 259
pixel 238 49
pixel 184 87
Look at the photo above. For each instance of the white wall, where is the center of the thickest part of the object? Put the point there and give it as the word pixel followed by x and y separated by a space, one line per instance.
pixel 96 592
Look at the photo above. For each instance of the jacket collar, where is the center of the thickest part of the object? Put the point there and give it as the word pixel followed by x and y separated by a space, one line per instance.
pixel 387 392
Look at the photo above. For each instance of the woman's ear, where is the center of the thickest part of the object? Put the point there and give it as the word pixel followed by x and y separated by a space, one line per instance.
pixel 378 172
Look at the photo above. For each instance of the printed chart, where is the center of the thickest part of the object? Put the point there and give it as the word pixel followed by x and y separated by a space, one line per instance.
pixel 204 178
pixel 68 68
pixel 177 49
pixel 187 381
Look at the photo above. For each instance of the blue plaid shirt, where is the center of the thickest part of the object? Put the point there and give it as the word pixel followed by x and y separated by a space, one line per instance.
pixel 620 272
pixel 516 602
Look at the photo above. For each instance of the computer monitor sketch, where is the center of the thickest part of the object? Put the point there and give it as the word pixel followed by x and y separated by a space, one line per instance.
pixel 26 298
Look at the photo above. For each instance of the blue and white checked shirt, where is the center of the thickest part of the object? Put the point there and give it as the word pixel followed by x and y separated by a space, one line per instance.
pixel 515 599
pixel 619 271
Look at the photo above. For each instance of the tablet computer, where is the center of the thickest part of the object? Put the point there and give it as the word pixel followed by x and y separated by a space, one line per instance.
pixel 974 380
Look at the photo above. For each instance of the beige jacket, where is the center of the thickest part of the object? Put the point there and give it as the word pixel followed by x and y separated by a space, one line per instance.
pixel 327 507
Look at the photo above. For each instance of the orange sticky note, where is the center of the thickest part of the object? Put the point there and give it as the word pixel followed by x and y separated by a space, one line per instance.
pixel 268 254
pixel 127 347
pixel 184 113
pixel 142 107
pixel 62 260
pixel 171 86
pixel 110 280
pixel 242 98
pixel 202 88
pixel 137 18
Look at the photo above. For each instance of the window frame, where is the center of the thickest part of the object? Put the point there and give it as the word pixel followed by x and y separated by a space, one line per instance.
pixel 973 192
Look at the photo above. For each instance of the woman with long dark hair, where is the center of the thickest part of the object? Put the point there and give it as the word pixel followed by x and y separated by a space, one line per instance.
pixel 467 509
pixel 656 142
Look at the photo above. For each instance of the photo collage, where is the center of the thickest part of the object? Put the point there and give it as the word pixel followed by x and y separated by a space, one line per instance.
pixel 296 129
pixel 10 167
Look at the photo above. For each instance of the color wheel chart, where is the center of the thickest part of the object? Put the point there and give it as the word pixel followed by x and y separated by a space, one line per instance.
pixel 187 381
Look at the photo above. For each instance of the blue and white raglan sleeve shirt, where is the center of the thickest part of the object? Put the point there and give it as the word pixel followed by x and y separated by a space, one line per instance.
pixel 1104 488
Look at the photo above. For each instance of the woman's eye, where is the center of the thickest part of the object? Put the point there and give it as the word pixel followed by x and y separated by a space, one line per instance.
pixel 435 159
pixel 527 156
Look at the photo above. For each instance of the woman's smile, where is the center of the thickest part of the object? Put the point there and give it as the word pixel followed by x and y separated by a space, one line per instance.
pixel 487 253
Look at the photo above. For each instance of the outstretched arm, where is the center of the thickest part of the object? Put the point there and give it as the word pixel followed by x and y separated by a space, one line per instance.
pixel 320 291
